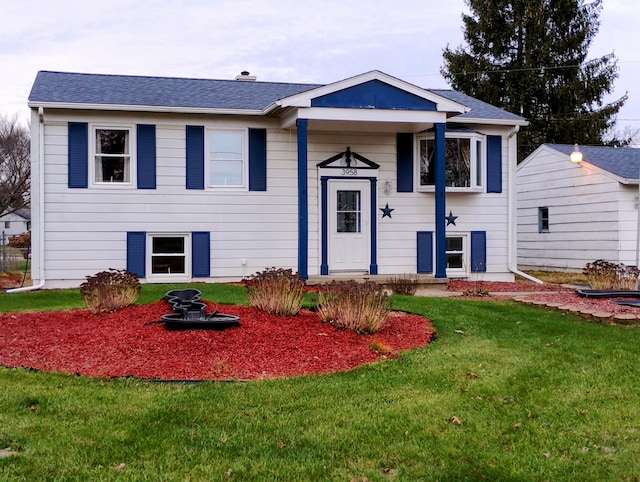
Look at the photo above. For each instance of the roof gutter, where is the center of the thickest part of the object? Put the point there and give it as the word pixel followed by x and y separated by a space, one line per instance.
pixel 40 226
pixel 511 214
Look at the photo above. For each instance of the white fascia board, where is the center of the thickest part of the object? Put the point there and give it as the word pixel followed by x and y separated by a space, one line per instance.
pixel 490 121
pixel 143 108
pixel 304 99
pixel 363 115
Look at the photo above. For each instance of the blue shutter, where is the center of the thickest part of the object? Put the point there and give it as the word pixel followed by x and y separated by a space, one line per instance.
pixel 425 251
pixel 404 161
pixel 78 150
pixel 494 164
pixel 195 157
pixel 200 254
pixel 136 252
pixel 257 159
pixel 146 156
pixel 478 251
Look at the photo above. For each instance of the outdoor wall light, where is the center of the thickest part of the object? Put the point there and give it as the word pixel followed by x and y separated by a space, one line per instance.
pixel 387 186
pixel 576 155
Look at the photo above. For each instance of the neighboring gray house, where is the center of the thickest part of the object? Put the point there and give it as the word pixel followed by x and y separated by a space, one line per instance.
pixel 182 180
pixel 17 222
pixel 570 214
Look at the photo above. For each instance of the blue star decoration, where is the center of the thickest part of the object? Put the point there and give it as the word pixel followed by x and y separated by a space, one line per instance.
pixel 451 219
pixel 386 211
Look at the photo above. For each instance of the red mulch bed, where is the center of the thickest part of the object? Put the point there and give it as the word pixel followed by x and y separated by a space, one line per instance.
pixel 548 292
pixel 128 343
pixel 502 286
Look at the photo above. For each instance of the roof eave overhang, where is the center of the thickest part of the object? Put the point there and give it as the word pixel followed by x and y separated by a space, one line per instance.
pixel 144 108
pixel 484 120
pixel 381 116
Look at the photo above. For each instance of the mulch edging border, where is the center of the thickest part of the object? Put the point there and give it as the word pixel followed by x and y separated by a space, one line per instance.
pixel 628 319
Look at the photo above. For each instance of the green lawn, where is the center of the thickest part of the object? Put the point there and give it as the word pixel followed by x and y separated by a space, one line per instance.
pixel 506 392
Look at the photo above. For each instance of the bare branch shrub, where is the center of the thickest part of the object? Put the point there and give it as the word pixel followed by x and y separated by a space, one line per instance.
pixel 403 284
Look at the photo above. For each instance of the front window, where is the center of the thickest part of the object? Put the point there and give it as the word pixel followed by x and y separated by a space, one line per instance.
pixel 226 158
pixel 463 161
pixel 168 255
pixel 112 156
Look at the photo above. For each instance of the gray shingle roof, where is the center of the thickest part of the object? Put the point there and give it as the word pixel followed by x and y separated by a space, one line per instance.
pixel 621 161
pixel 133 90
pixel 78 88
pixel 479 109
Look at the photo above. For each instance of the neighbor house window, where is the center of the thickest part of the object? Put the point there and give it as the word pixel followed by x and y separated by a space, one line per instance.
pixel 7 224
pixel 463 161
pixel 543 220
pixel 455 252
pixel 112 161
pixel 169 255
pixel 226 158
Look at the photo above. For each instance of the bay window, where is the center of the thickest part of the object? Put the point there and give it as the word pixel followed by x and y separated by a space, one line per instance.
pixel 463 161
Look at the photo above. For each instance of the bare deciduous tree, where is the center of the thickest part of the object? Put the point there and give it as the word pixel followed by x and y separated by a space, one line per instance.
pixel 15 167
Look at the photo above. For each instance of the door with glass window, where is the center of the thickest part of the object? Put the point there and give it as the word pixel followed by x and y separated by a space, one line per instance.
pixel 349 225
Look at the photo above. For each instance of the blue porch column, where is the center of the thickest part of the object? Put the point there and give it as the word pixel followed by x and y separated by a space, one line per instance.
pixel 441 234
pixel 303 201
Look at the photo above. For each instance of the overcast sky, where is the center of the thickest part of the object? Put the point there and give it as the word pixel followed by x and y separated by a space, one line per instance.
pixel 316 41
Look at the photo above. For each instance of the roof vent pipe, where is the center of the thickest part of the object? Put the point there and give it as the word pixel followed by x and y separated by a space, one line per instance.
pixel 245 75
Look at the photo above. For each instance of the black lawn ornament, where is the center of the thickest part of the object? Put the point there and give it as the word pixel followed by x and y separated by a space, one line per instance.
pixel 190 312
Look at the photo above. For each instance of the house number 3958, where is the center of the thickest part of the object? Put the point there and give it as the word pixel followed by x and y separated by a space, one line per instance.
pixel 350 172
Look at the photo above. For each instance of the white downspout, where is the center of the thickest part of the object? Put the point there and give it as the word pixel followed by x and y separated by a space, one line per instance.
pixel 40 226
pixel 511 215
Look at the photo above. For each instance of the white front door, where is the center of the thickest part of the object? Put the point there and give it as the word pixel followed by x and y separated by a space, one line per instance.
pixel 349 227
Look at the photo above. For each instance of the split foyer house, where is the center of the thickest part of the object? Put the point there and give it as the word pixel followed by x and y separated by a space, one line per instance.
pixel 573 213
pixel 181 180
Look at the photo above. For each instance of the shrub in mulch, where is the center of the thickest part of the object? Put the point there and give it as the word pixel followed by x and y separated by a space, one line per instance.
pixel 277 291
pixel 361 307
pixel 501 286
pixel 110 290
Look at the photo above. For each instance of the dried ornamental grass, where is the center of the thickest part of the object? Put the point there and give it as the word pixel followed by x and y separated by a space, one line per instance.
pixel 361 307
pixel 276 291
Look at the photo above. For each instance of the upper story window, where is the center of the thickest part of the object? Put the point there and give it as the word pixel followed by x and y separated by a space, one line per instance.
pixel 112 159
pixel 463 161
pixel 226 158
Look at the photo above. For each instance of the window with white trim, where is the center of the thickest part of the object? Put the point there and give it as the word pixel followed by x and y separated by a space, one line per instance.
pixel 226 158
pixel 464 160
pixel 456 252
pixel 112 162
pixel 169 255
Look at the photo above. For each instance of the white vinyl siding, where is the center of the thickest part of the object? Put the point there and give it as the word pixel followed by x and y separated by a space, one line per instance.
pixel 85 229
pixel 592 215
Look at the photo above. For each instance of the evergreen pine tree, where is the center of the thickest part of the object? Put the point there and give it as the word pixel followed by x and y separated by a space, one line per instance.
pixel 530 58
